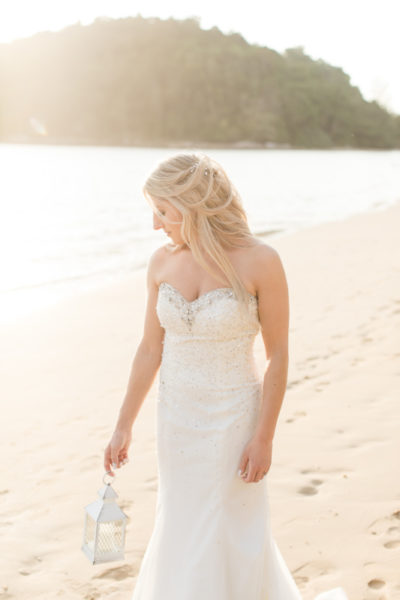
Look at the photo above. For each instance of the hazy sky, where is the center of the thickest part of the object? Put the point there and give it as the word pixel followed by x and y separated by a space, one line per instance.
pixel 361 36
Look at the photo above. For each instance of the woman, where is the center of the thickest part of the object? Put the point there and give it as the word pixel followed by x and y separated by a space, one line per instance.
pixel 209 293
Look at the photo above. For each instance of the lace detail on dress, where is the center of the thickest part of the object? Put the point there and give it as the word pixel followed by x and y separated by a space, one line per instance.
pixel 208 351
pixel 189 308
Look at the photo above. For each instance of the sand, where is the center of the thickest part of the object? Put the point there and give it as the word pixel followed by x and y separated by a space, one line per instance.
pixel 334 484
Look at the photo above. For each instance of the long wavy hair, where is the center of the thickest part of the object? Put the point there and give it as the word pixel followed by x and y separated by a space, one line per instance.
pixel 213 218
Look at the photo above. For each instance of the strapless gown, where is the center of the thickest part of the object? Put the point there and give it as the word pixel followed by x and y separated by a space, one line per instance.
pixel 212 537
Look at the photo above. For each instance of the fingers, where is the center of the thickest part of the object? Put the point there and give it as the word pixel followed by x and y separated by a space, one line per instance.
pixel 250 470
pixel 245 468
pixel 114 458
pixel 243 465
pixel 107 459
pixel 119 460
pixel 258 476
pixel 251 475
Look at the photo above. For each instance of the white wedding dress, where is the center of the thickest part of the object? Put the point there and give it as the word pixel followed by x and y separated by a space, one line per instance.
pixel 212 538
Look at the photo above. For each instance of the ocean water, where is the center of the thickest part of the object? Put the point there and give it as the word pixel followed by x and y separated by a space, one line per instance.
pixel 74 218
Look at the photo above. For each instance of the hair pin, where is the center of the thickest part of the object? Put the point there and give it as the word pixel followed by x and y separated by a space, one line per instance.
pixel 206 171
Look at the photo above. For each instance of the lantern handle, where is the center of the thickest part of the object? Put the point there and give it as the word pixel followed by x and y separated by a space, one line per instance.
pixel 110 474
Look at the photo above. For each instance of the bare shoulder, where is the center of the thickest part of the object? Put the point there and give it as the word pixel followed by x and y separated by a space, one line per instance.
pixel 263 252
pixel 273 299
pixel 160 254
pixel 155 264
pixel 266 266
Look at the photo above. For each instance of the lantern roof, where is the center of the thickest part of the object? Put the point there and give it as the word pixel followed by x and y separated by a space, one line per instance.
pixel 102 512
pixel 107 492
pixel 105 509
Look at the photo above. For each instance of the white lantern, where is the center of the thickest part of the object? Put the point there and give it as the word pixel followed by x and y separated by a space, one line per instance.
pixel 104 528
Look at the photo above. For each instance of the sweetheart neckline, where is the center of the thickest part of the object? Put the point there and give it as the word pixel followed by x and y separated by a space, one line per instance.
pixel 201 295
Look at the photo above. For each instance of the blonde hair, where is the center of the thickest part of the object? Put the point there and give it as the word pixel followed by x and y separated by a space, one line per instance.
pixel 213 218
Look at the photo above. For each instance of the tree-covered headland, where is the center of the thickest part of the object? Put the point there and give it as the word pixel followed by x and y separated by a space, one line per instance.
pixel 137 81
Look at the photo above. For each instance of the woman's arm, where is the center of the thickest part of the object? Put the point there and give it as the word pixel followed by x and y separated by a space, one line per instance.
pixel 143 371
pixel 273 309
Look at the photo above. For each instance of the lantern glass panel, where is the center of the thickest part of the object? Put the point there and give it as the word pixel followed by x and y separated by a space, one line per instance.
pixel 89 532
pixel 110 537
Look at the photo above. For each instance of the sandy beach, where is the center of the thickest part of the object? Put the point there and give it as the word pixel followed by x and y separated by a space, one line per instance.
pixel 334 483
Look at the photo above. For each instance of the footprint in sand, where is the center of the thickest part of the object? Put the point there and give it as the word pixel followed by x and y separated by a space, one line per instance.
pixel 294 382
pixel 126 504
pixel 117 573
pixel 310 490
pixel 394 529
pixel 308 471
pixel 307 490
pixel 319 385
pixel 317 481
pixel 388 529
pixel 298 413
pixel 392 544
pixel 376 584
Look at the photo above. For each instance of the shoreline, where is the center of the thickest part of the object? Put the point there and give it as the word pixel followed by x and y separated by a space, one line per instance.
pixel 335 511
pixel 268 236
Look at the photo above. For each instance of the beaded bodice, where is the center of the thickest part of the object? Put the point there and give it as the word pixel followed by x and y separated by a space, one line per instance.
pixel 208 341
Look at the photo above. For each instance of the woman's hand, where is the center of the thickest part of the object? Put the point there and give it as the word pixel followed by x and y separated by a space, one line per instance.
pixel 116 453
pixel 256 460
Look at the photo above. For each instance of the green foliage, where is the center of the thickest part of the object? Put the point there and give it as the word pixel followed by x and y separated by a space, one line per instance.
pixel 139 81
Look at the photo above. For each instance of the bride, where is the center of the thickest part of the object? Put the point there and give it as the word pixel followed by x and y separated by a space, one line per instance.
pixel 209 293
